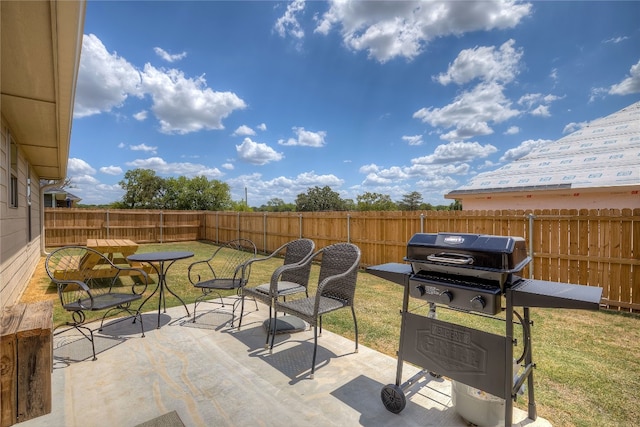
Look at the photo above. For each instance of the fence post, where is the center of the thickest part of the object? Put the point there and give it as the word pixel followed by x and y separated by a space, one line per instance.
pixel 264 232
pixel 107 223
pixel 217 227
pixel 161 228
pixel 238 224
pixel 348 228
pixel 531 219
pixel 422 223
pixel 300 224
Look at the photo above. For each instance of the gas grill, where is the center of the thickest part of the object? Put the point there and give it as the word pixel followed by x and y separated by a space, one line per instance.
pixel 465 271
pixel 476 274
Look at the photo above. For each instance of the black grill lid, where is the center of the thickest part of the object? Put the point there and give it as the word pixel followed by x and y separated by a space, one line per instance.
pixel 473 251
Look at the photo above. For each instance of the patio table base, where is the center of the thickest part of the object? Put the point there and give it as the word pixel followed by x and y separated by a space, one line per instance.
pixel 286 325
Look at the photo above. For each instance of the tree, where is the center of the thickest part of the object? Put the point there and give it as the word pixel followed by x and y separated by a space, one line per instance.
pixel 143 189
pixel 276 205
pixel 320 199
pixel 456 205
pixel 410 201
pixel 375 202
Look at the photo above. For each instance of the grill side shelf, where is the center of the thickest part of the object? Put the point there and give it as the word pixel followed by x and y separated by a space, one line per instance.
pixel 541 293
pixel 394 272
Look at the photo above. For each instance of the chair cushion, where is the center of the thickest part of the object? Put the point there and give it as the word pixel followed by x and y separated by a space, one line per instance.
pixel 284 288
pixel 304 307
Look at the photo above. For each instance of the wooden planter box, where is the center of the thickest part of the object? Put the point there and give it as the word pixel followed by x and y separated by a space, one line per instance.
pixel 26 361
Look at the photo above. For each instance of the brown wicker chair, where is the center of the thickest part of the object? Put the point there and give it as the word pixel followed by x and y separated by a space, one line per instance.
pixel 284 281
pixel 226 269
pixel 336 289
pixel 88 281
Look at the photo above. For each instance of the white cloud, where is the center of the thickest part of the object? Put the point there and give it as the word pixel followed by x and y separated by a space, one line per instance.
pixel 181 104
pixel 467 130
pixel 305 138
pixel 541 111
pixel 386 30
pixel 287 24
pixel 630 84
pixel 257 153
pixel 371 168
pixel 286 188
pixel 141 115
pixel 244 130
pixel 170 169
pixel 228 166
pixel 262 126
pixel 167 56
pixel 111 170
pixel 143 147
pixel 105 80
pixel 512 130
pixel 185 105
pixel 79 167
pixel 484 63
pixel 456 152
pixel 573 126
pixel 471 111
pixel 523 149
pixel 616 40
pixel 413 139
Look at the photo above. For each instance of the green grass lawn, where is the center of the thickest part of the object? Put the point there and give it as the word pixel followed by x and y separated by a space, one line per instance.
pixel 588 363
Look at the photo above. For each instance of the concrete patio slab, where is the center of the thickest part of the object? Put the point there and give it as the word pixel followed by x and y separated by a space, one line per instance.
pixel 213 375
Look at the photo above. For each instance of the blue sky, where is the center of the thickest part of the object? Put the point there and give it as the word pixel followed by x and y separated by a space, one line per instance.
pixel 368 96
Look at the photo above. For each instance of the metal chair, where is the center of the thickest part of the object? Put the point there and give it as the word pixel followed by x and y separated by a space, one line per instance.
pixel 226 269
pixel 336 289
pixel 88 281
pixel 284 281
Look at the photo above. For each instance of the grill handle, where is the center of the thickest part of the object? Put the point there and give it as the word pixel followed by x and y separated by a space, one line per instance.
pixel 451 258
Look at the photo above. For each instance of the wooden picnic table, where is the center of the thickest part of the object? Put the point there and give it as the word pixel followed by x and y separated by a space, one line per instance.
pixel 117 250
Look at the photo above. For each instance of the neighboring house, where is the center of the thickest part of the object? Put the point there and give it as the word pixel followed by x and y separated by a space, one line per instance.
pixel 40 56
pixel 597 167
pixel 60 198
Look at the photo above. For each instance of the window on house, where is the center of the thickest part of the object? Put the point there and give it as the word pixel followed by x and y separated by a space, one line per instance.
pixel 13 173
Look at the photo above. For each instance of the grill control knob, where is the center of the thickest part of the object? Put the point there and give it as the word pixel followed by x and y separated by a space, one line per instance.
pixel 478 303
pixel 421 289
pixel 446 297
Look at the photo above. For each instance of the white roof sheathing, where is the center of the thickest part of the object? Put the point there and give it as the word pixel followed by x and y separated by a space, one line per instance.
pixel 605 153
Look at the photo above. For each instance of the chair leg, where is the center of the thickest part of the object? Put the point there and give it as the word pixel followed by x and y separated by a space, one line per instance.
pixel 315 350
pixel 355 324
pixel 274 321
pixel 241 311
pixel 266 344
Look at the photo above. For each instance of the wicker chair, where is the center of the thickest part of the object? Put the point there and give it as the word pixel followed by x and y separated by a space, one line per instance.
pixel 88 281
pixel 336 289
pixel 226 269
pixel 284 280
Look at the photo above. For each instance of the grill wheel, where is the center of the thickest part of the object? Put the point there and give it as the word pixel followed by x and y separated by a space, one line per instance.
pixel 393 398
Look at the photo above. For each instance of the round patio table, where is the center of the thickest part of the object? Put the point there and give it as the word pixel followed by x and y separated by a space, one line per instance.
pixel 161 261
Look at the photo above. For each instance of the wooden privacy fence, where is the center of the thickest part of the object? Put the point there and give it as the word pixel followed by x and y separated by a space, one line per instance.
pixel 589 247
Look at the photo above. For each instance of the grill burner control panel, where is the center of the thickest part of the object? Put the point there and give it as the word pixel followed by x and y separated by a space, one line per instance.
pixel 456 293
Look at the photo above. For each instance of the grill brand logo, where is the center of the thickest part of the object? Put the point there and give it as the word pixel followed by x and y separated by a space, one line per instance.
pixel 454 240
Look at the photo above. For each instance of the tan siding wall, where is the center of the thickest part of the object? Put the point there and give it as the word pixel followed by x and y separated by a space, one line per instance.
pixel 18 256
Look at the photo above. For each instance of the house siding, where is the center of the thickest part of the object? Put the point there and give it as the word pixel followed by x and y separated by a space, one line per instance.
pixel 19 255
